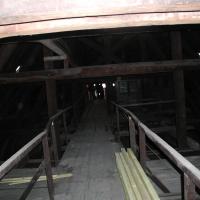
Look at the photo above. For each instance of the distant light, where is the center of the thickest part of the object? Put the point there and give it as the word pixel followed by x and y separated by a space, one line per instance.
pixel 94 85
pixel 113 84
pixel 103 85
pixel 99 83
pixel 18 68
pixel 198 54
pixel 87 86
pixel 99 94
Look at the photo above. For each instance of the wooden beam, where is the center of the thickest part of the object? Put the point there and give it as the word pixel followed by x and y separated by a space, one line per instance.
pixel 99 22
pixel 13 12
pixel 54 47
pixel 102 71
pixel 178 74
pixel 54 58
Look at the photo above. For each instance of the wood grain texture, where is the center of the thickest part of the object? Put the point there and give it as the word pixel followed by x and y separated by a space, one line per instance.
pixel 12 12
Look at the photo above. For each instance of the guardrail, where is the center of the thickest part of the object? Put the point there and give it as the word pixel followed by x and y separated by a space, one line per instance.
pixel 42 137
pixel 191 174
pixel 9 164
pixel 52 129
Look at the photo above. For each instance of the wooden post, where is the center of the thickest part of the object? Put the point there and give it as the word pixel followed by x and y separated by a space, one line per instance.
pixel 118 89
pixel 52 108
pixel 48 169
pixel 54 143
pixel 189 188
pixel 143 57
pixel 132 132
pixel 176 51
pixel 142 147
pixel 65 126
pixel 75 102
pixel 117 124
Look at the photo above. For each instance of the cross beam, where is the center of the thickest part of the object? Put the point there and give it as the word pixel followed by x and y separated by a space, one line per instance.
pixel 138 68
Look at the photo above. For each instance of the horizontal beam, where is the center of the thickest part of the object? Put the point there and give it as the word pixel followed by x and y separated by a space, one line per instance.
pixel 99 22
pixel 102 71
pixel 148 103
pixel 54 58
pixel 15 12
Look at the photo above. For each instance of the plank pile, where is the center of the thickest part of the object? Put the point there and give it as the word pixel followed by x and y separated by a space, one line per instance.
pixel 136 184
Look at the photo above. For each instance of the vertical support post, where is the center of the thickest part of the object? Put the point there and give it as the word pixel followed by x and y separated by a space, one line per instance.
pixel 189 188
pixel 142 147
pixel 65 125
pixel 132 133
pixel 74 102
pixel 118 124
pixel 66 63
pixel 118 89
pixel 48 169
pixel 54 143
pixel 51 97
pixel 143 57
pixel 178 75
pixel 52 105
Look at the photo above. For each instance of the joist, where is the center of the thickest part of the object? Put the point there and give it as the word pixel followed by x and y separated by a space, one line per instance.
pixel 121 69
pixel 136 183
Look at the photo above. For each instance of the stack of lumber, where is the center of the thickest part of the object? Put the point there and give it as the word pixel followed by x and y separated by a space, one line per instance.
pixel 136 184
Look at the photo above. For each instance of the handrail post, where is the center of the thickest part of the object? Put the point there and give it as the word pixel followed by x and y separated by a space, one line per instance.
pixel 118 124
pixel 142 147
pixel 54 143
pixel 65 126
pixel 132 133
pixel 48 169
pixel 189 188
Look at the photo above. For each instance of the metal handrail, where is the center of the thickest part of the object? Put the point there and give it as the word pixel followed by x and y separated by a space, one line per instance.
pixel 191 173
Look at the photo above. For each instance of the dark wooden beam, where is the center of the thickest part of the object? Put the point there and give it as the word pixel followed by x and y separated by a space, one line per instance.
pixel 54 58
pixel 122 69
pixel 178 74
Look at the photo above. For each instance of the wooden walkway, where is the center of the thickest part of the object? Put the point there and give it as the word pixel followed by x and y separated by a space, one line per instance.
pixel 89 158
pixel 88 169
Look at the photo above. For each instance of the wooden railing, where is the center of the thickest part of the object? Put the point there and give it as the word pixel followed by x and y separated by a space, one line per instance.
pixel 190 173
pixel 52 129
pixel 14 160
pixel 45 164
